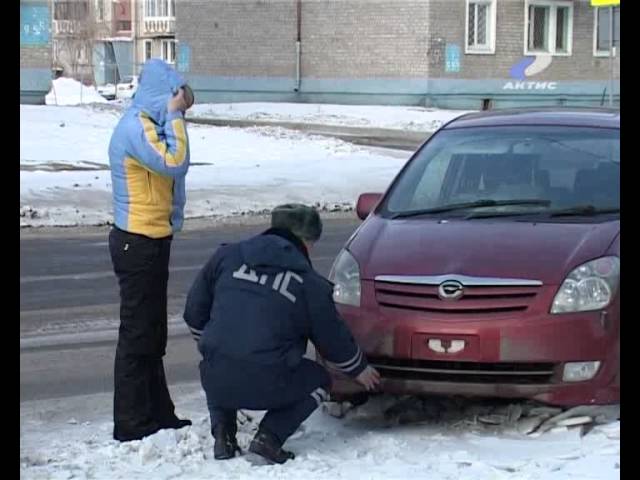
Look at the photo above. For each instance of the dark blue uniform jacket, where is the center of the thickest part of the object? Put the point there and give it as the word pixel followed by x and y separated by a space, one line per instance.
pixel 260 301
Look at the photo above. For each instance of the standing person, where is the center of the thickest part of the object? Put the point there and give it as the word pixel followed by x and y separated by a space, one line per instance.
pixel 149 158
pixel 253 308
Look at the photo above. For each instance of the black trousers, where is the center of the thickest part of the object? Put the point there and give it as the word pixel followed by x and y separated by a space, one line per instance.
pixel 142 403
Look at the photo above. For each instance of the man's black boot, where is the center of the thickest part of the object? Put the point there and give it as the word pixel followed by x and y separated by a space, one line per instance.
pixel 225 445
pixel 269 448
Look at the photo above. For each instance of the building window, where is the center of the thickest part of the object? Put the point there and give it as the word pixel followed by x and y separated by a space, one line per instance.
pixel 147 50
pixel 163 8
pixel 70 10
pixel 159 8
pixel 83 55
pixel 549 27
pixel 150 8
pixel 123 25
pixel 481 26
pixel 601 30
pixel 169 51
pixel 100 10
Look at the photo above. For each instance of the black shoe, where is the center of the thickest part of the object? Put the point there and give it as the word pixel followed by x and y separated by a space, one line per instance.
pixel 269 448
pixel 175 423
pixel 225 445
pixel 125 435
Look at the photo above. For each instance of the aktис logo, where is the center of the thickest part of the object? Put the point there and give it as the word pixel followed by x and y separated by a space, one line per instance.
pixel 529 67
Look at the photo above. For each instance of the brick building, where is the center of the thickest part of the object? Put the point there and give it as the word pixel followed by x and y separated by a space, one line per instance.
pixel 93 40
pixel 447 53
pixel 35 50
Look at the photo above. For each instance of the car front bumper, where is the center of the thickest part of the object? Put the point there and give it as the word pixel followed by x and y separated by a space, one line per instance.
pixel 512 356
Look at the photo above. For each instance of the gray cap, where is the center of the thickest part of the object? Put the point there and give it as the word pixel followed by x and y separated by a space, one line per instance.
pixel 303 221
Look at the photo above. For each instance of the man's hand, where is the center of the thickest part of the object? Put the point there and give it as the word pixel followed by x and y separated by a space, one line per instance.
pixel 369 378
pixel 177 102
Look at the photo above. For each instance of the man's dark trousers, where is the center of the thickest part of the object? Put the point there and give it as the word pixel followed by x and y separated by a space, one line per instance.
pixel 289 395
pixel 141 398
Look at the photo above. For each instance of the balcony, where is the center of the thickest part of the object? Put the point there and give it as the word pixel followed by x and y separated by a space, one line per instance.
pixel 159 26
pixel 65 27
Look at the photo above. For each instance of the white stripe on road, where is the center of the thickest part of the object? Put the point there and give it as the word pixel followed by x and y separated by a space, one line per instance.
pixel 109 273
pixel 92 275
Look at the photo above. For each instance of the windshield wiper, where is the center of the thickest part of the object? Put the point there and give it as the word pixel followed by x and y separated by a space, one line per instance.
pixel 477 204
pixel 585 210
pixel 502 214
pixel 581 210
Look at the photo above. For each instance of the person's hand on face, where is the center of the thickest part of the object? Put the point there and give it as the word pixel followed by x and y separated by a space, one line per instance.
pixel 177 102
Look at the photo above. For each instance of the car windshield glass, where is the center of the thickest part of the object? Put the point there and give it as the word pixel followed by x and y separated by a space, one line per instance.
pixel 127 80
pixel 477 172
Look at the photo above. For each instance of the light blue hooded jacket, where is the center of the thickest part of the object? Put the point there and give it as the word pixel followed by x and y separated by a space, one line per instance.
pixel 149 157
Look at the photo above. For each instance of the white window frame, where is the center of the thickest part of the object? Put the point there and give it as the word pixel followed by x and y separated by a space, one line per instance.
pixel 170 8
pixel 491 31
pixel 147 14
pixel 100 10
pixel 162 7
pixel 144 49
pixel 596 51
pixel 168 42
pixel 552 27
pixel 82 55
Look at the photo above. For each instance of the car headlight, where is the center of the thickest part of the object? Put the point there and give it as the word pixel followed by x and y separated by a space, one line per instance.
pixel 591 286
pixel 345 275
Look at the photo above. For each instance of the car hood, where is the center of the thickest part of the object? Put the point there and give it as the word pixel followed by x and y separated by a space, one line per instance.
pixel 486 248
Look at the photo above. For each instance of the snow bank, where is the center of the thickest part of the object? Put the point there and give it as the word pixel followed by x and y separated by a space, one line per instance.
pixel 373 116
pixel 71 438
pixel 67 91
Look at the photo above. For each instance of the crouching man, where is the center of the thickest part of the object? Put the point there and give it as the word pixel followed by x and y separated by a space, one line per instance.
pixel 252 309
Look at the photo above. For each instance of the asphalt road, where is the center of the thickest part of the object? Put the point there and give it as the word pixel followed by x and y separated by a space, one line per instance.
pixel 69 305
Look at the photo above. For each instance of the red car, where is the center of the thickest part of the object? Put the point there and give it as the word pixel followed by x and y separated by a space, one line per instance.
pixel 491 265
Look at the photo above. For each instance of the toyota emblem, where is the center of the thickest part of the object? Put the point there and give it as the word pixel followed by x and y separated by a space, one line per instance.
pixel 450 290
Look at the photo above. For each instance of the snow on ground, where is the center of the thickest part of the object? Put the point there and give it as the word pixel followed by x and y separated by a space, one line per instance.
pixel 67 91
pixel 64 178
pixel 71 438
pixel 394 117
pixel 51 137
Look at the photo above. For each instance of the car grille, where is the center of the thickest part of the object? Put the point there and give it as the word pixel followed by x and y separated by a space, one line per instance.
pixel 476 300
pixel 465 372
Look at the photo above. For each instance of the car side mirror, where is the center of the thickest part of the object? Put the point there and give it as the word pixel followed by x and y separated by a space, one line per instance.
pixel 366 203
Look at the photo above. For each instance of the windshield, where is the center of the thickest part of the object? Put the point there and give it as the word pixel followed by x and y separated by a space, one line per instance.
pixel 513 169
